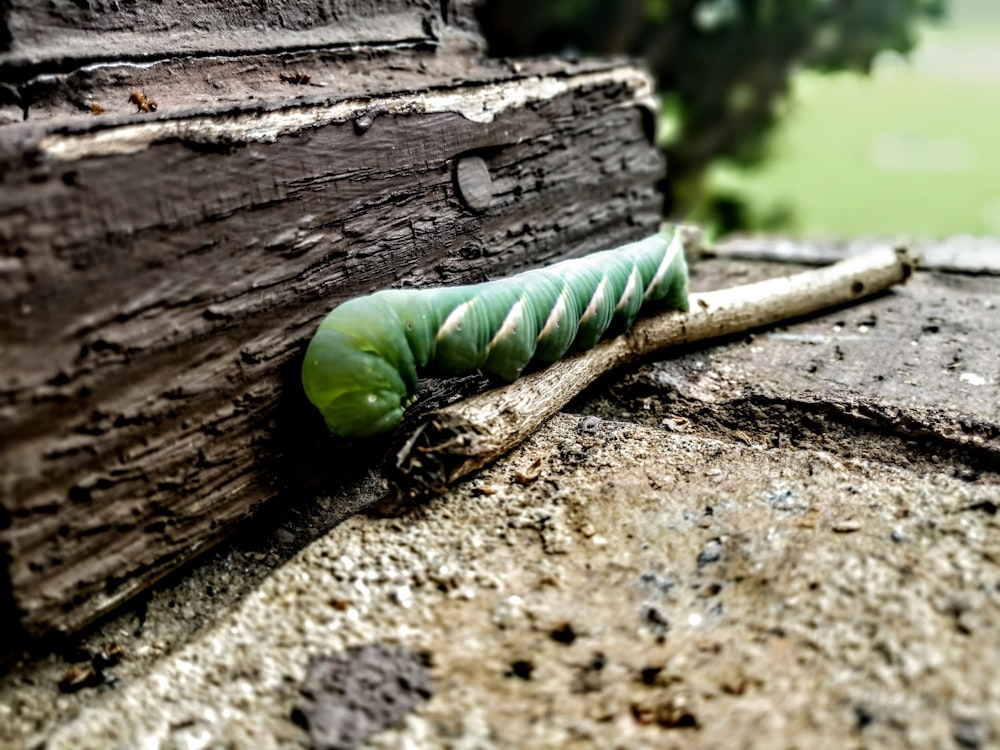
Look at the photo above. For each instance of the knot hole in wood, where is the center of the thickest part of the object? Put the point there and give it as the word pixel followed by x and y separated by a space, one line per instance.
pixel 473 183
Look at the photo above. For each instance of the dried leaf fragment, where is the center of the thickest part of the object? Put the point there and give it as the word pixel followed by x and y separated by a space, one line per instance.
pixel 529 475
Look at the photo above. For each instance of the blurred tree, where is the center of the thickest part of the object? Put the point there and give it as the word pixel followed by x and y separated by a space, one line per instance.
pixel 723 66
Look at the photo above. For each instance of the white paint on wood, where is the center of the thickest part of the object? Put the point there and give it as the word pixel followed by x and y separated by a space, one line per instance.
pixel 481 103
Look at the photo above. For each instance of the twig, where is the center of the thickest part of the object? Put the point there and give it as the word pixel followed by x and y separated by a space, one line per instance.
pixel 959 254
pixel 456 440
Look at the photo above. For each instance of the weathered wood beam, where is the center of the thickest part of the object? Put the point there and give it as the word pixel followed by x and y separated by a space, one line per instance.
pixel 161 272
pixel 35 35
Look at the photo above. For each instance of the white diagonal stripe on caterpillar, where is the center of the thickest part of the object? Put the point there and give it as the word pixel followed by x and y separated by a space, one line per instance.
pixel 676 246
pixel 554 320
pixel 596 302
pixel 454 320
pixel 513 320
pixel 632 287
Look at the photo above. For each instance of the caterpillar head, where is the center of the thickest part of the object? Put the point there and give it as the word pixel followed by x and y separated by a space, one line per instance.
pixel 358 392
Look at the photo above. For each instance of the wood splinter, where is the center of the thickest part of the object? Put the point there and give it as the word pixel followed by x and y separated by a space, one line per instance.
pixel 452 442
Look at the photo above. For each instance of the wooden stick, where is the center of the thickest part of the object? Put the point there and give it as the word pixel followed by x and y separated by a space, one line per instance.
pixel 456 440
pixel 959 254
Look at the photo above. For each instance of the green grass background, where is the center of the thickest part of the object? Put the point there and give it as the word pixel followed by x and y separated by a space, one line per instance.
pixel 913 149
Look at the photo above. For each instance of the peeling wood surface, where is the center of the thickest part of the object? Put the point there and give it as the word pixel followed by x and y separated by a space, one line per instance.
pixel 218 51
pixel 187 87
pixel 161 272
pixel 477 102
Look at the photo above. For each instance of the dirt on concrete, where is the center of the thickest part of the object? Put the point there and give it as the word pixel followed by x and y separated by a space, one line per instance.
pixel 786 540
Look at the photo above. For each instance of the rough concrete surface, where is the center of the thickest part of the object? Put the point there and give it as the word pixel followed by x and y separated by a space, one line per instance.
pixel 791 542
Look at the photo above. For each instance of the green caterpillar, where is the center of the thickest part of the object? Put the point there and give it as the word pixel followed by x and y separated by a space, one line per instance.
pixel 362 364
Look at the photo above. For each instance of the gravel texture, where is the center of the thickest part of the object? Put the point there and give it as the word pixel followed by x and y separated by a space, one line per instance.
pixel 648 589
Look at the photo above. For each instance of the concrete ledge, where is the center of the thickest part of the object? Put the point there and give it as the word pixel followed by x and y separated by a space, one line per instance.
pixel 787 539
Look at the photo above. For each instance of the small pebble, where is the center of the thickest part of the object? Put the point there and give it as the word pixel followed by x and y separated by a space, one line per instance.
pixel 969 733
pixel 848 526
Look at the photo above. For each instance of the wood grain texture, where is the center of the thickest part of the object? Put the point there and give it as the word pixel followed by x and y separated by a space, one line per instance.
pixel 160 275
pixel 62 32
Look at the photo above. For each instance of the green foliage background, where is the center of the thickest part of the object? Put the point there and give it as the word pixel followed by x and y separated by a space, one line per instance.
pixel 912 149
pixel 725 68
